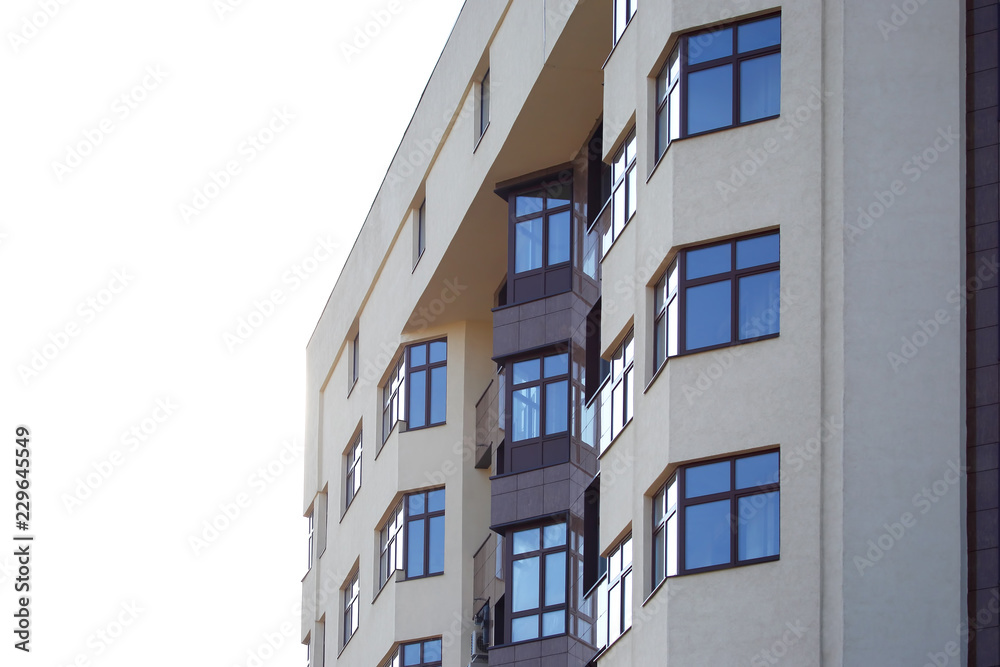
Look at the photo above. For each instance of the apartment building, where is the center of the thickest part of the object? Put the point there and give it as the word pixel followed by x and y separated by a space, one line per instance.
pixel 659 343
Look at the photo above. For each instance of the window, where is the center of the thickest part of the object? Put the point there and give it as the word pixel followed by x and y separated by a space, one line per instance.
pixel 355 360
pixel 421 235
pixel 425 534
pixel 321 636
pixel 538 582
pixel 716 515
pixel 352 483
pixel 352 608
pixel 617 394
pixel 624 11
pixel 664 316
pixel 393 397
pixel 593 565
pixel 391 546
pixel 718 295
pixel 312 535
pixel 623 195
pixel 615 595
pixel 427 380
pixel 484 103
pixel 725 76
pixel 540 241
pixel 539 412
pixel 417 654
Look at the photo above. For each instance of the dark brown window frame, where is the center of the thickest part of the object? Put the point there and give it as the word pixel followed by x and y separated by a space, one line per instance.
pixel 662 291
pixel 426 517
pixel 735 58
pixel 542 439
pixel 733 495
pixel 610 384
pixel 421 230
pixel 355 360
pixel 428 366
pixel 543 185
pixel 352 601
pixel 484 103
pixel 734 275
pixel 392 539
pixel 619 580
pixel 394 396
pixel 540 553
pixel 396 660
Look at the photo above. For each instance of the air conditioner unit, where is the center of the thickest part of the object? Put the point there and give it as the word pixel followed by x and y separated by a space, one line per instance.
pixel 480 642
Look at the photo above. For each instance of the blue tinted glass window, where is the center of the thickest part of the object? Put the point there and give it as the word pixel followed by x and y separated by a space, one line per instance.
pixel 710 99
pixel 411 654
pixel 416 504
pixel 557 364
pixel 439 394
pixel 556 407
pixel 526 540
pixel 709 46
pixel 415 548
pixel 555 578
pixel 435 501
pixel 418 391
pixel 759 526
pixel 525 585
pixel 757 470
pixel 760 305
pixel 553 623
pixel 759 34
pixel 435 563
pixel 432 651
pixel 756 251
pixel 707 479
pixel 525 413
pixel 760 87
pixel 709 261
pixel 439 351
pixel 555 536
pixel 709 316
pixel 528 204
pixel 526 371
pixel 528 249
pixel 707 534
pixel 524 628
pixel 559 238
pixel 418 355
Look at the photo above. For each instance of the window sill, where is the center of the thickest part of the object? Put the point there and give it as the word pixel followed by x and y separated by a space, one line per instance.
pixel 723 346
pixel 656 374
pixel 615 439
pixel 350 390
pixel 614 241
pixel 346 510
pixel 656 589
pixel 421 428
pixel 403 578
pixel 417 261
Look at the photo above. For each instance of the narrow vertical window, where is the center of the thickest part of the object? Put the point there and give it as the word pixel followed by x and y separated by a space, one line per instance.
pixel 355 360
pixel 427 377
pixel 668 103
pixel 617 394
pixel 665 316
pixel 312 534
pixel 393 397
pixel 624 11
pixel 353 467
pixel 623 196
pixel 352 608
pixel 425 534
pixel 421 228
pixel 391 545
pixel 484 103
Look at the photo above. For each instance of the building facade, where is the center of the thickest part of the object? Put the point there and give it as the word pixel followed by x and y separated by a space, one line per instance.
pixel 659 346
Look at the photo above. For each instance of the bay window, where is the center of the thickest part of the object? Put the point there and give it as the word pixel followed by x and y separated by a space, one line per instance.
pixel 538 582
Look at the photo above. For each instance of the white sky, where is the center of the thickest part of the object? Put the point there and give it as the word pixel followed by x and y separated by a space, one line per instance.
pixel 131 298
